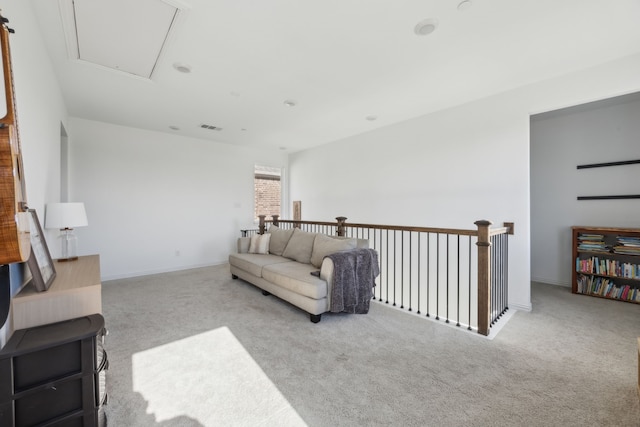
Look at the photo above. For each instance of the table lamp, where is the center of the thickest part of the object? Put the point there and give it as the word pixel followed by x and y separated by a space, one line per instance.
pixel 66 217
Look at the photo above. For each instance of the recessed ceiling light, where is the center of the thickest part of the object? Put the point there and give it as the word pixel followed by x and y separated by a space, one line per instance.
pixel 464 5
pixel 174 127
pixel 183 68
pixel 290 103
pixel 371 118
pixel 425 27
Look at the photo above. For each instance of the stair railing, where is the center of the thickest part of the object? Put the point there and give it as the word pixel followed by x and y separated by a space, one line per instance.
pixel 456 275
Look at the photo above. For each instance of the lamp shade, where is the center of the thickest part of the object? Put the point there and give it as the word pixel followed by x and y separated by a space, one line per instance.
pixel 65 215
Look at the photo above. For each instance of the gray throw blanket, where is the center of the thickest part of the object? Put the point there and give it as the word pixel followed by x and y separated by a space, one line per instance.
pixel 353 281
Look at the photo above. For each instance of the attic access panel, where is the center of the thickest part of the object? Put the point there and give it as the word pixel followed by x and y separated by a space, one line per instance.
pixel 123 35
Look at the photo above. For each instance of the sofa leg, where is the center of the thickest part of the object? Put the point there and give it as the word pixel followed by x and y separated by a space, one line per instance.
pixel 265 293
pixel 315 318
pixel 234 277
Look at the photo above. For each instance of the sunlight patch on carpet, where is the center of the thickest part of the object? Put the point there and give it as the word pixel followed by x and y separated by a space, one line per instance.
pixel 209 378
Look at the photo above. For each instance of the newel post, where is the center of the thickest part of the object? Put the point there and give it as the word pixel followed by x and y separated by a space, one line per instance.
pixel 484 276
pixel 262 225
pixel 340 230
pixel 274 221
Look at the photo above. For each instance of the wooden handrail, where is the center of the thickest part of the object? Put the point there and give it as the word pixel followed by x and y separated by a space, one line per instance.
pixel 507 228
pixel 416 229
pixel 386 227
pixel 291 221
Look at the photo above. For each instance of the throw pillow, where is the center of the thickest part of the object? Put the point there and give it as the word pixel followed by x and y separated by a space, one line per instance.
pixel 279 239
pixel 259 244
pixel 325 245
pixel 300 246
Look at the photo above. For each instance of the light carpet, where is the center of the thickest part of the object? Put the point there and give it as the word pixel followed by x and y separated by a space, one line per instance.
pixel 196 348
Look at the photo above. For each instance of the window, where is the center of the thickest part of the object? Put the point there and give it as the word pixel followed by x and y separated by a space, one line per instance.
pixel 267 191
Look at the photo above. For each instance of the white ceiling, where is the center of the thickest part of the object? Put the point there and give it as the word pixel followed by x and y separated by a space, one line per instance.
pixel 339 60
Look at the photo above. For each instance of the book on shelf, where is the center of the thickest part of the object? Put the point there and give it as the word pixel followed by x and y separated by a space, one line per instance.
pixel 608 267
pixel 627 245
pixel 592 243
pixel 629 240
pixel 605 287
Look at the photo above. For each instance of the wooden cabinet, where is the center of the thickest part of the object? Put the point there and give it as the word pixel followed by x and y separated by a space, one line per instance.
pixel 606 263
pixel 75 292
pixel 55 375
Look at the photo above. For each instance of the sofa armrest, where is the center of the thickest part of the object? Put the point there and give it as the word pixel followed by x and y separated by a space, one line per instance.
pixel 243 244
pixel 326 274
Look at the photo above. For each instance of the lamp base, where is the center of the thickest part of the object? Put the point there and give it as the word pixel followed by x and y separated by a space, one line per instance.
pixel 69 246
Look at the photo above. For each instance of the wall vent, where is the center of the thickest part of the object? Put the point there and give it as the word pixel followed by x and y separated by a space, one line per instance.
pixel 210 127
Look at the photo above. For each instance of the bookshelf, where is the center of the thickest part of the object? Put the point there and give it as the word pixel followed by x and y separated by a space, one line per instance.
pixel 606 263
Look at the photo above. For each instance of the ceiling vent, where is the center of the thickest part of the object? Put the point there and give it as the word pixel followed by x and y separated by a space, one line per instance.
pixel 210 127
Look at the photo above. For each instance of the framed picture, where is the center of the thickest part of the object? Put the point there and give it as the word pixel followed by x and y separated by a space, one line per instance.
pixel 40 263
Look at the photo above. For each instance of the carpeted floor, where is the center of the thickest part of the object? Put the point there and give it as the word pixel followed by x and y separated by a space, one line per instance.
pixel 196 348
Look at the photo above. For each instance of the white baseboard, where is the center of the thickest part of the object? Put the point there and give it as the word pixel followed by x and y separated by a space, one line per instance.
pixel 159 271
pixel 550 281
pixel 520 307
pixel 497 327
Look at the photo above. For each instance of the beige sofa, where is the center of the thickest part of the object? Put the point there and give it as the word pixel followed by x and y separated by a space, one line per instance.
pixel 280 262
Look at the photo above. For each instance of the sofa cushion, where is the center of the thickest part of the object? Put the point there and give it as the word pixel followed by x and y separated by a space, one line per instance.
pixel 279 239
pixel 296 277
pixel 324 245
pixel 259 244
pixel 243 244
pixel 300 246
pixel 253 263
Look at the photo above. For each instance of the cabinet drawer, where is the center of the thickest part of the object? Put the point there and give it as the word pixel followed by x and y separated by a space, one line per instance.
pixel 58 400
pixel 32 369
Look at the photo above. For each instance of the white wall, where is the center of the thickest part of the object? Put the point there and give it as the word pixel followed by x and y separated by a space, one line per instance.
pixel 450 168
pixel 41 110
pixel 596 133
pixel 158 202
pixel 447 169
